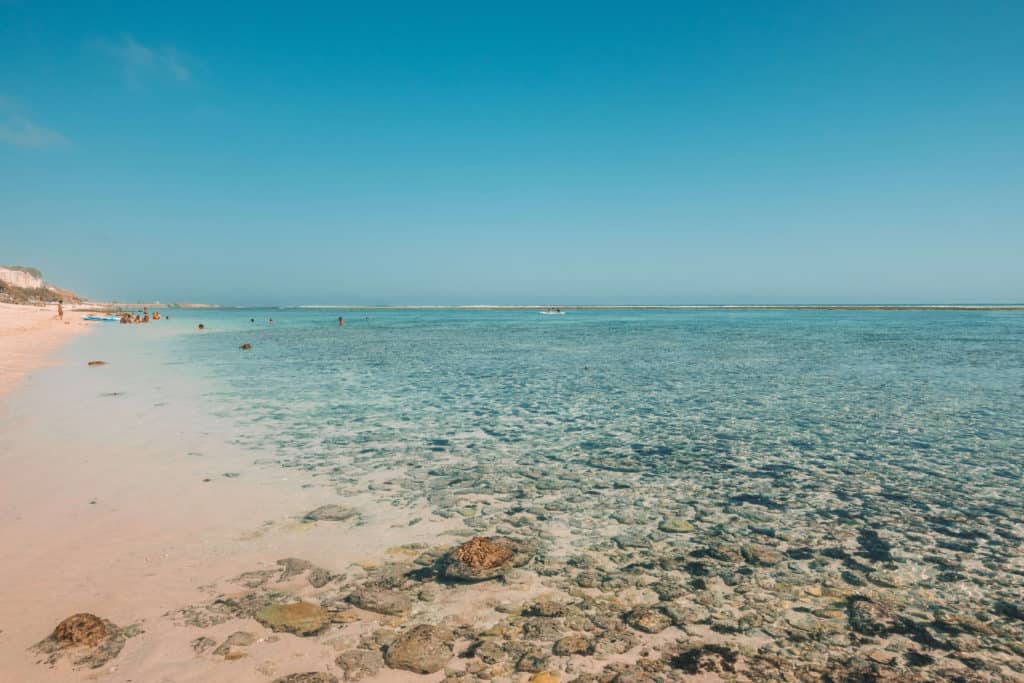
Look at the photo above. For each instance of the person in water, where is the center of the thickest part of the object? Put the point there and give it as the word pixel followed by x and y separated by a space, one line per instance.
pixel 341 321
pixel 252 321
pixel 202 326
pixel 270 321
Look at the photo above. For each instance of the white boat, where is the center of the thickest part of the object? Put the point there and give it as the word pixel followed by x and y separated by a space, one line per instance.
pixel 552 312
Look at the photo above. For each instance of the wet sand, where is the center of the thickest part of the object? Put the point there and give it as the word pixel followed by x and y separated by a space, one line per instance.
pixel 116 498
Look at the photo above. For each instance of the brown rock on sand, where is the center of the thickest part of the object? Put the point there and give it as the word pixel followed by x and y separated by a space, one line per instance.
pixel 422 649
pixel 96 363
pixel 300 618
pixel 479 559
pixel 81 629
pixel 97 640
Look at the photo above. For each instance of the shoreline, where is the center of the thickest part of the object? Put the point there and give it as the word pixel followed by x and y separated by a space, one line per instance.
pixel 153 492
pixel 150 528
pixel 111 306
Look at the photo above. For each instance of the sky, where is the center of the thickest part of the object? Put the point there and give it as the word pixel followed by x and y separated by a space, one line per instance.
pixel 474 153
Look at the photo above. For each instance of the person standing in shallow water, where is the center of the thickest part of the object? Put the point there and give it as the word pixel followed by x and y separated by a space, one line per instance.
pixel 341 321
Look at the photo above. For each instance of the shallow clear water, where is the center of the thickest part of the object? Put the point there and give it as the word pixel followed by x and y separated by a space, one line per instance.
pixel 876 451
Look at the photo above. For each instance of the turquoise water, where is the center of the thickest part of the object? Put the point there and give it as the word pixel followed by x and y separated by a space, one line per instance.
pixel 875 452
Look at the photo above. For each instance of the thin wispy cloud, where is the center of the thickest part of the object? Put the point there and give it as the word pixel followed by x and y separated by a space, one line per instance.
pixel 140 60
pixel 18 130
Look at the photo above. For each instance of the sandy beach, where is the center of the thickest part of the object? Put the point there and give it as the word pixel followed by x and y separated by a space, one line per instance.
pixel 28 337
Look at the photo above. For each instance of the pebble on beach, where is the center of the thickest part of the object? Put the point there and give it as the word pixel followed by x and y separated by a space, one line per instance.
pixel 90 640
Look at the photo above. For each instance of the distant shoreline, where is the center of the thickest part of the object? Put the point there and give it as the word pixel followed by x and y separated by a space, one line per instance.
pixel 107 306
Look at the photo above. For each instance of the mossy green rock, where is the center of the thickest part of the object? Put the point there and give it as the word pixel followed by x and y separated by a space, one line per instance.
pixel 300 618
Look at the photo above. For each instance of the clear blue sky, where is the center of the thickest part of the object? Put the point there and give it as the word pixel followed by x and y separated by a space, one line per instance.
pixel 516 152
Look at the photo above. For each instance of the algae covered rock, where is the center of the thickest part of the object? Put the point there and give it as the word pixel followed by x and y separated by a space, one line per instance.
pixel 300 618
pixel 381 601
pixel 422 649
pixel 479 559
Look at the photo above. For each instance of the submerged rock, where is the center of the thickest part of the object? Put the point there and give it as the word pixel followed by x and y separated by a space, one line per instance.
pixel 293 566
pixel 358 664
pixel 202 644
pixel 710 658
pixel 422 649
pixel 245 347
pixel 545 608
pixel 648 620
pixel 308 677
pixel 675 525
pixel 482 558
pixel 319 577
pixel 236 639
pixel 300 618
pixel 870 617
pixel 94 641
pixel 573 645
pixel 381 601
pixel 331 513
pixel 755 553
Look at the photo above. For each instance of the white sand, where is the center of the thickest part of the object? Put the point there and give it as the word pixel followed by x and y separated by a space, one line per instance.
pixel 28 336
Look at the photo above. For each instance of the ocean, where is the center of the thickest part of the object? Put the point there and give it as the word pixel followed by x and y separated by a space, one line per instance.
pixel 797 486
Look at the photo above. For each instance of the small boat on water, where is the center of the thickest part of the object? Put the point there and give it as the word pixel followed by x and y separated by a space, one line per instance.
pixel 101 318
pixel 555 311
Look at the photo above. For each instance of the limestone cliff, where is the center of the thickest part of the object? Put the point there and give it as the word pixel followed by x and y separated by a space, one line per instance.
pixel 24 285
pixel 21 276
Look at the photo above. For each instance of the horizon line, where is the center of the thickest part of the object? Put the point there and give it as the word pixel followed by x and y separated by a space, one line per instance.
pixel 578 307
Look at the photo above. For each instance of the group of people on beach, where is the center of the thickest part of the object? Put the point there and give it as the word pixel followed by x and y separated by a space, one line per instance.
pixel 145 317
